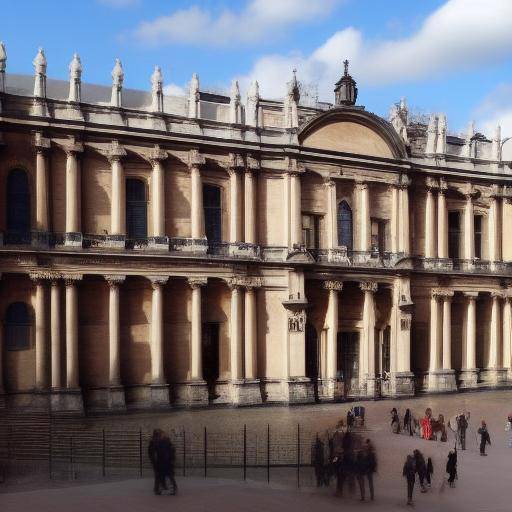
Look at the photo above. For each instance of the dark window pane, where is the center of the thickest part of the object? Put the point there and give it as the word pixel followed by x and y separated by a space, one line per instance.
pixel 136 209
pixel 18 202
pixel 478 236
pixel 345 225
pixel 17 327
pixel 453 235
pixel 212 213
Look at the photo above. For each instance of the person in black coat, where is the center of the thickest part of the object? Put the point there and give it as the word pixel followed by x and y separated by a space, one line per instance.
pixel 371 465
pixel 421 468
pixel 408 427
pixel 165 461
pixel 430 471
pixel 159 482
pixel 318 462
pixel 462 425
pixel 409 472
pixel 451 467
pixel 485 438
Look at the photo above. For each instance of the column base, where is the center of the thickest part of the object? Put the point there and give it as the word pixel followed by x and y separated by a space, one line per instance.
pixel 330 390
pixel 189 245
pixel 440 381
pixel 468 378
pixel 67 400
pixel 192 393
pixel 40 239
pixel 158 243
pixel 243 250
pixel 402 384
pixel 494 376
pixel 105 399
pixel 73 239
pixel 159 395
pixel 245 392
pixel 300 390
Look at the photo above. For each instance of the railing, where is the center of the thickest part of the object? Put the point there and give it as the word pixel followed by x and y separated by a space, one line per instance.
pixel 341 256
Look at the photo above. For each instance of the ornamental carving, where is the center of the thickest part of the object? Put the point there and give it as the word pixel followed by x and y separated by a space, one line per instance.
pixel 252 163
pixel 115 152
pixel 294 166
pixel 405 322
pixel 71 279
pixel 157 154
pixel 195 159
pixel 236 161
pixel 442 293
pixel 197 282
pixel 73 147
pixel 368 286
pixel 45 275
pixel 114 279
pixel 296 321
pixel 244 281
pixel 431 183
pixel 337 286
pixel 41 143
pixel 157 281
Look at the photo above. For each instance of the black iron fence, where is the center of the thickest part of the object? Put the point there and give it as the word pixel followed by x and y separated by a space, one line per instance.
pixel 60 451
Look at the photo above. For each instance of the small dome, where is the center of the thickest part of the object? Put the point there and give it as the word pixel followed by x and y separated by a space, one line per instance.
pixel 345 90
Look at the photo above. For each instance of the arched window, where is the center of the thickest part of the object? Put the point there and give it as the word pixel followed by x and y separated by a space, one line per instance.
pixel 212 213
pixel 17 326
pixel 345 225
pixel 136 209
pixel 18 202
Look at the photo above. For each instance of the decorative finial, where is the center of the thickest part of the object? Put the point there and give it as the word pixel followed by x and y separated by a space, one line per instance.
pixel 157 93
pixel 40 62
pixel 117 72
pixel 157 77
pixel 75 66
pixel 345 65
pixel 3 56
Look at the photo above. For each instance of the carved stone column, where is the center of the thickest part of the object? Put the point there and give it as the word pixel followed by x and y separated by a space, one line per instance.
pixel 329 387
pixel 41 332
pixel 364 216
pixel 469 372
pixel 235 213
pixel 435 353
pixel 296 206
pixel 367 366
pixel 394 224
pixel 115 155
pixel 157 157
pixel 251 323
pixel 495 228
pixel 55 334
pixel 159 388
pixel 252 166
pixel 430 213
pixel 331 214
pixel 469 226
pixel 507 334
pixel 442 221
pixel 73 234
pixel 116 399
pixel 42 147
pixel 195 391
pixel 404 243
pixel 494 373
pixel 236 330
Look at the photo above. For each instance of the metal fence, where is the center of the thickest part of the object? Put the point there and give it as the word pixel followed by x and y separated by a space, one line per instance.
pixel 62 451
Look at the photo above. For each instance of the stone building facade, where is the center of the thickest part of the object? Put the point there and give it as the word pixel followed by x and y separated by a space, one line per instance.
pixel 162 251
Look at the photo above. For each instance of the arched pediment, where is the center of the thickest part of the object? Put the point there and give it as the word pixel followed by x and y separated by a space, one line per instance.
pixel 352 130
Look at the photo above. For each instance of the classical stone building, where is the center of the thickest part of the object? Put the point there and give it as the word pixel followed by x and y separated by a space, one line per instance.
pixel 166 251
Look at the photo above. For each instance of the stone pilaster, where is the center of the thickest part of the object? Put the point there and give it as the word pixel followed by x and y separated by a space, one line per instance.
pixel 442 221
pixel 117 236
pixel 430 214
pixel 159 240
pixel 507 334
pixel 367 375
pixel 42 146
pixel 495 228
pixel 363 195
pixel 404 238
pixel 250 203
pixel 469 225
pixel 41 331
pixel 73 235
pixel 469 372
pixel 295 169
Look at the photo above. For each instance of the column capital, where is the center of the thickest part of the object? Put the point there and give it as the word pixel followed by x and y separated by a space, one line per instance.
pixel 496 191
pixel 294 167
pixel 115 152
pixel 498 294
pixel 42 144
pixel 442 293
pixel 469 191
pixel 443 185
pixel 195 159
pixel 431 184
pixel 157 281
pixel 404 181
pixel 361 185
pixel 368 286
pixel 71 279
pixel 73 147
pixel 333 285
pixel 114 279
pixel 197 282
pixel 44 275
pixel 157 154
pixel 252 163
pixel 471 295
pixel 235 163
pixel 329 182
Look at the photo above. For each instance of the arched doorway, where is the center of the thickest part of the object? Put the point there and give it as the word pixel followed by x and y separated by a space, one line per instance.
pixel 312 356
pixel 136 209
pixel 18 207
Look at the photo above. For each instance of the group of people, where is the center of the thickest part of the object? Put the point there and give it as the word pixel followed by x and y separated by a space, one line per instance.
pixel 162 455
pixel 345 457
pixel 427 427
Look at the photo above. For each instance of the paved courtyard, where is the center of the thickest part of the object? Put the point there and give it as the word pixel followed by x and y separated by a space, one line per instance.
pixel 483 485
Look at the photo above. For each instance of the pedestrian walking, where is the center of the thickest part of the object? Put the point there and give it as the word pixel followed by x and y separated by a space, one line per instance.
pixel 409 472
pixel 408 422
pixel 318 461
pixel 165 462
pixel 508 428
pixel 421 469
pixel 451 467
pixel 462 425
pixel 350 419
pixel 395 421
pixel 371 466
pixel 360 471
pixel 430 471
pixel 159 480
pixel 485 438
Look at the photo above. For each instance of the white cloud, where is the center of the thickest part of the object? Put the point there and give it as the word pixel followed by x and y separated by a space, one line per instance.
pixel 175 90
pixel 460 35
pixel 259 20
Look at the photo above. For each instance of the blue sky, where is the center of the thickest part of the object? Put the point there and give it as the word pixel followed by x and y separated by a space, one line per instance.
pixel 452 56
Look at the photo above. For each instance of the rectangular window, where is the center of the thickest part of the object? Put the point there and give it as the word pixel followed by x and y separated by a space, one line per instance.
pixel 378 235
pixel 454 235
pixel 311 231
pixel 478 236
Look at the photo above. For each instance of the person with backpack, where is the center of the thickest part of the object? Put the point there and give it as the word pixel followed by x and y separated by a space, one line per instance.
pixel 409 472
pixel 485 438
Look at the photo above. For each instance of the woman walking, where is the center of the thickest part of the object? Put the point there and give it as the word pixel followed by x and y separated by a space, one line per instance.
pixel 451 467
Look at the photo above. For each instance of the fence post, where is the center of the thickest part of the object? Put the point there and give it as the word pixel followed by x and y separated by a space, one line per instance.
pixel 245 452
pixel 104 456
pixel 298 455
pixel 71 457
pixel 50 461
pixel 268 453
pixel 184 452
pixel 140 452
pixel 205 451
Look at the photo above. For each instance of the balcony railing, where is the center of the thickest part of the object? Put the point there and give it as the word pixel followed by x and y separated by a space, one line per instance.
pixel 341 256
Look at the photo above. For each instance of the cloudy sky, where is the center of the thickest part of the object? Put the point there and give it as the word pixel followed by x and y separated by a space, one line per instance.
pixel 452 56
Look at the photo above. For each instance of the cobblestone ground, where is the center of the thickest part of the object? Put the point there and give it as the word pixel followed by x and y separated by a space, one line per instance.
pixel 483 485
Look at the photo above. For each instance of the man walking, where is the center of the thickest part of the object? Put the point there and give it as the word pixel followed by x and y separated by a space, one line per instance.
pixel 421 468
pixel 409 472
pixel 155 463
pixel 485 438
pixel 462 425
